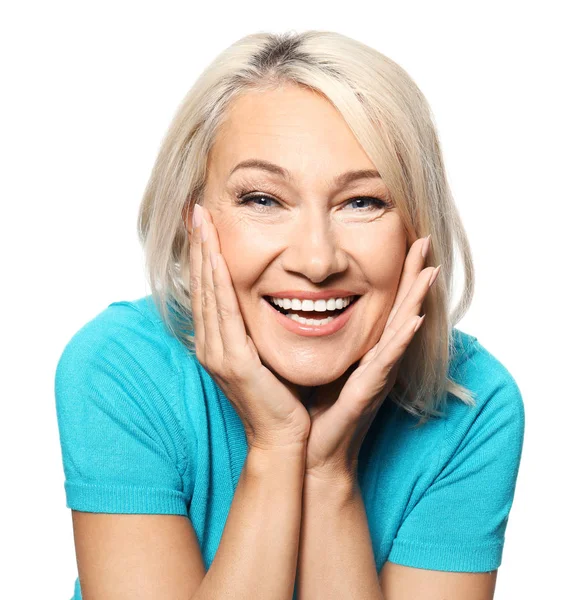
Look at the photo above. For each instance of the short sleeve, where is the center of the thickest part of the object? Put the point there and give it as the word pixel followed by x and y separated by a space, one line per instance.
pixel 121 438
pixel 459 523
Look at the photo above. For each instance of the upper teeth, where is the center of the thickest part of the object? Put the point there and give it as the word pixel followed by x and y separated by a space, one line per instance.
pixel 310 305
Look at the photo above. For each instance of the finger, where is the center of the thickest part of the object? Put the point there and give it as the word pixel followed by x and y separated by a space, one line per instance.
pixel 196 280
pixel 412 267
pixel 412 304
pixel 230 322
pixel 373 380
pixel 212 340
pixel 391 354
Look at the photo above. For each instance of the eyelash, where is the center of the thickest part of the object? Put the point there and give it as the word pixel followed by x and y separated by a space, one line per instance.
pixel 246 197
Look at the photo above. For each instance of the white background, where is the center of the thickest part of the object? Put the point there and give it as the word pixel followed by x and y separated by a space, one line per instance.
pixel 88 90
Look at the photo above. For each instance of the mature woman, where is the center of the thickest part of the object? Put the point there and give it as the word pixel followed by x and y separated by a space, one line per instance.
pixel 292 411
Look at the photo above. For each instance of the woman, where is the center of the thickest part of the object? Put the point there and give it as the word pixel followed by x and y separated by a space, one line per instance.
pixel 219 443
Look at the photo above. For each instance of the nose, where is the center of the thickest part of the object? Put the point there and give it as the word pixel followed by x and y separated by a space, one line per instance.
pixel 313 248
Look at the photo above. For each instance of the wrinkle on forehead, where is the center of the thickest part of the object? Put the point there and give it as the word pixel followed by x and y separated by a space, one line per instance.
pixel 295 128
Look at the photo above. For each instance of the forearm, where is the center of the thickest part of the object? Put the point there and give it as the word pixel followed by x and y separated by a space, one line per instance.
pixel 336 559
pixel 257 555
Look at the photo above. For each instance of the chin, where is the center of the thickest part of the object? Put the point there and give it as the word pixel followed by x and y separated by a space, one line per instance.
pixel 312 379
pixel 310 376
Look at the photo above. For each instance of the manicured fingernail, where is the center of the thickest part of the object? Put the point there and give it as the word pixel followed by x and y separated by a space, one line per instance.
pixel 204 230
pixel 419 323
pixel 197 216
pixel 434 275
pixel 425 246
pixel 213 260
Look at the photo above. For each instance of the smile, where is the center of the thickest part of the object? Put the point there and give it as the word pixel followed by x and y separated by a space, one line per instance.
pixel 312 322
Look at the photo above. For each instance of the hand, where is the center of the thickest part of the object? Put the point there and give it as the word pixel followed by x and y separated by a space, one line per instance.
pixel 271 411
pixel 342 412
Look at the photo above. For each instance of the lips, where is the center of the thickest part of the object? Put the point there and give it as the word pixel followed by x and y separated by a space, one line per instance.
pixel 307 295
pixel 335 325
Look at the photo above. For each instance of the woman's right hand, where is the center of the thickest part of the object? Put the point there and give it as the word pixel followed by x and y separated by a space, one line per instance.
pixel 270 410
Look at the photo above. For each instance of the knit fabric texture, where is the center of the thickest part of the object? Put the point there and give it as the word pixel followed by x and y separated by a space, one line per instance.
pixel 144 429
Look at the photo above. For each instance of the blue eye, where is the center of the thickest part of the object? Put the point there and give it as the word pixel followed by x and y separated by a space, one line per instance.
pixel 376 202
pixel 247 199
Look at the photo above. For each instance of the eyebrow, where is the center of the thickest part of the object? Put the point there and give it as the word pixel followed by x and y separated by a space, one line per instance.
pixel 339 181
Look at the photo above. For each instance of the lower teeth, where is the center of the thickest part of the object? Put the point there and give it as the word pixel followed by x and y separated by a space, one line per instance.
pixel 304 321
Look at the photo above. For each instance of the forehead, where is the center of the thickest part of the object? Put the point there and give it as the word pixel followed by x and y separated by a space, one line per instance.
pixel 293 127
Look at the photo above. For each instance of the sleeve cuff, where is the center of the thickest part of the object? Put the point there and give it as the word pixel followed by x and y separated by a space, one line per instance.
pixel 124 499
pixel 470 559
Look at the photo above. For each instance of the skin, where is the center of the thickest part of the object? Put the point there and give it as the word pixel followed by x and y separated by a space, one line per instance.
pixel 312 241
pixel 307 234
pixel 311 236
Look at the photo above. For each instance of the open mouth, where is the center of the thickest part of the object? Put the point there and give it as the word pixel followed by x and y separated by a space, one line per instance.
pixel 303 316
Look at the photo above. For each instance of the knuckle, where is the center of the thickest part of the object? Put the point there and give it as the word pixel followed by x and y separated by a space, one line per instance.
pixel 232 368
pixel 392 328
pixel 194 282
pixel 207 297
pixel 233 364
pixel 213 365
pixel 223 312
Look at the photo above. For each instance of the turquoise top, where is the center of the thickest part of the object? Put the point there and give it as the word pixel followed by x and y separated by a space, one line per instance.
pixel 144 429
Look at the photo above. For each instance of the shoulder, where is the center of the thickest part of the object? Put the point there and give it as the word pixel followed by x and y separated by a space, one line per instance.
pixel 131 327
pixel 475 367
pixel 125 346
pixel 123 360
pixel 119 397
pixel 497 395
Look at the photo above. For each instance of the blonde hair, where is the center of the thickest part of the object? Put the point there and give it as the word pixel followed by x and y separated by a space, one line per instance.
pixel 391 119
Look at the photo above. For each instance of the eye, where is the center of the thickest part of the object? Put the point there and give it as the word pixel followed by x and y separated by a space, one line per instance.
pixel 377 203
pixel 246 199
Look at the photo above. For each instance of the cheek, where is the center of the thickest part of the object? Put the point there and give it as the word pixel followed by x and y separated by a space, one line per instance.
pixel 384 283
pixel 242 256
pixel 384 263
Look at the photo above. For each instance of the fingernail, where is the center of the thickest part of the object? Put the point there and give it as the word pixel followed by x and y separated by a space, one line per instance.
pixel 204 230
pixel 419 323
pixel 425 246
pixel 434 275
pixel 197 216
pixel 213 260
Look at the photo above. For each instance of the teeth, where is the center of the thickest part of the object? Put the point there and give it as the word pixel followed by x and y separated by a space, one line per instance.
pixel 310 305
pixel 305 321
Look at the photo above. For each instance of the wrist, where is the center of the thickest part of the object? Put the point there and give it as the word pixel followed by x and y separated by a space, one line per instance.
pixel 274 459
pixel 337 485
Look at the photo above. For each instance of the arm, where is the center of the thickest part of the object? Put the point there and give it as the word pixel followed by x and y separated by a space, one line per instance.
pixel 257 556
pixel 335 550
pixel 158 556
pixel 336 559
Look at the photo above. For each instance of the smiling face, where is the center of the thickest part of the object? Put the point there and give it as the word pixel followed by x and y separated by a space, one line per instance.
pixel 307 232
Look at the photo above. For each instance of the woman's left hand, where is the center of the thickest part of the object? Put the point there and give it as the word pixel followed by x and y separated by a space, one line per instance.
pixel 342 412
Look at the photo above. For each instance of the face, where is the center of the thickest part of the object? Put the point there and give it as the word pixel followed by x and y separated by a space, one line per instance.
pixel 306 232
